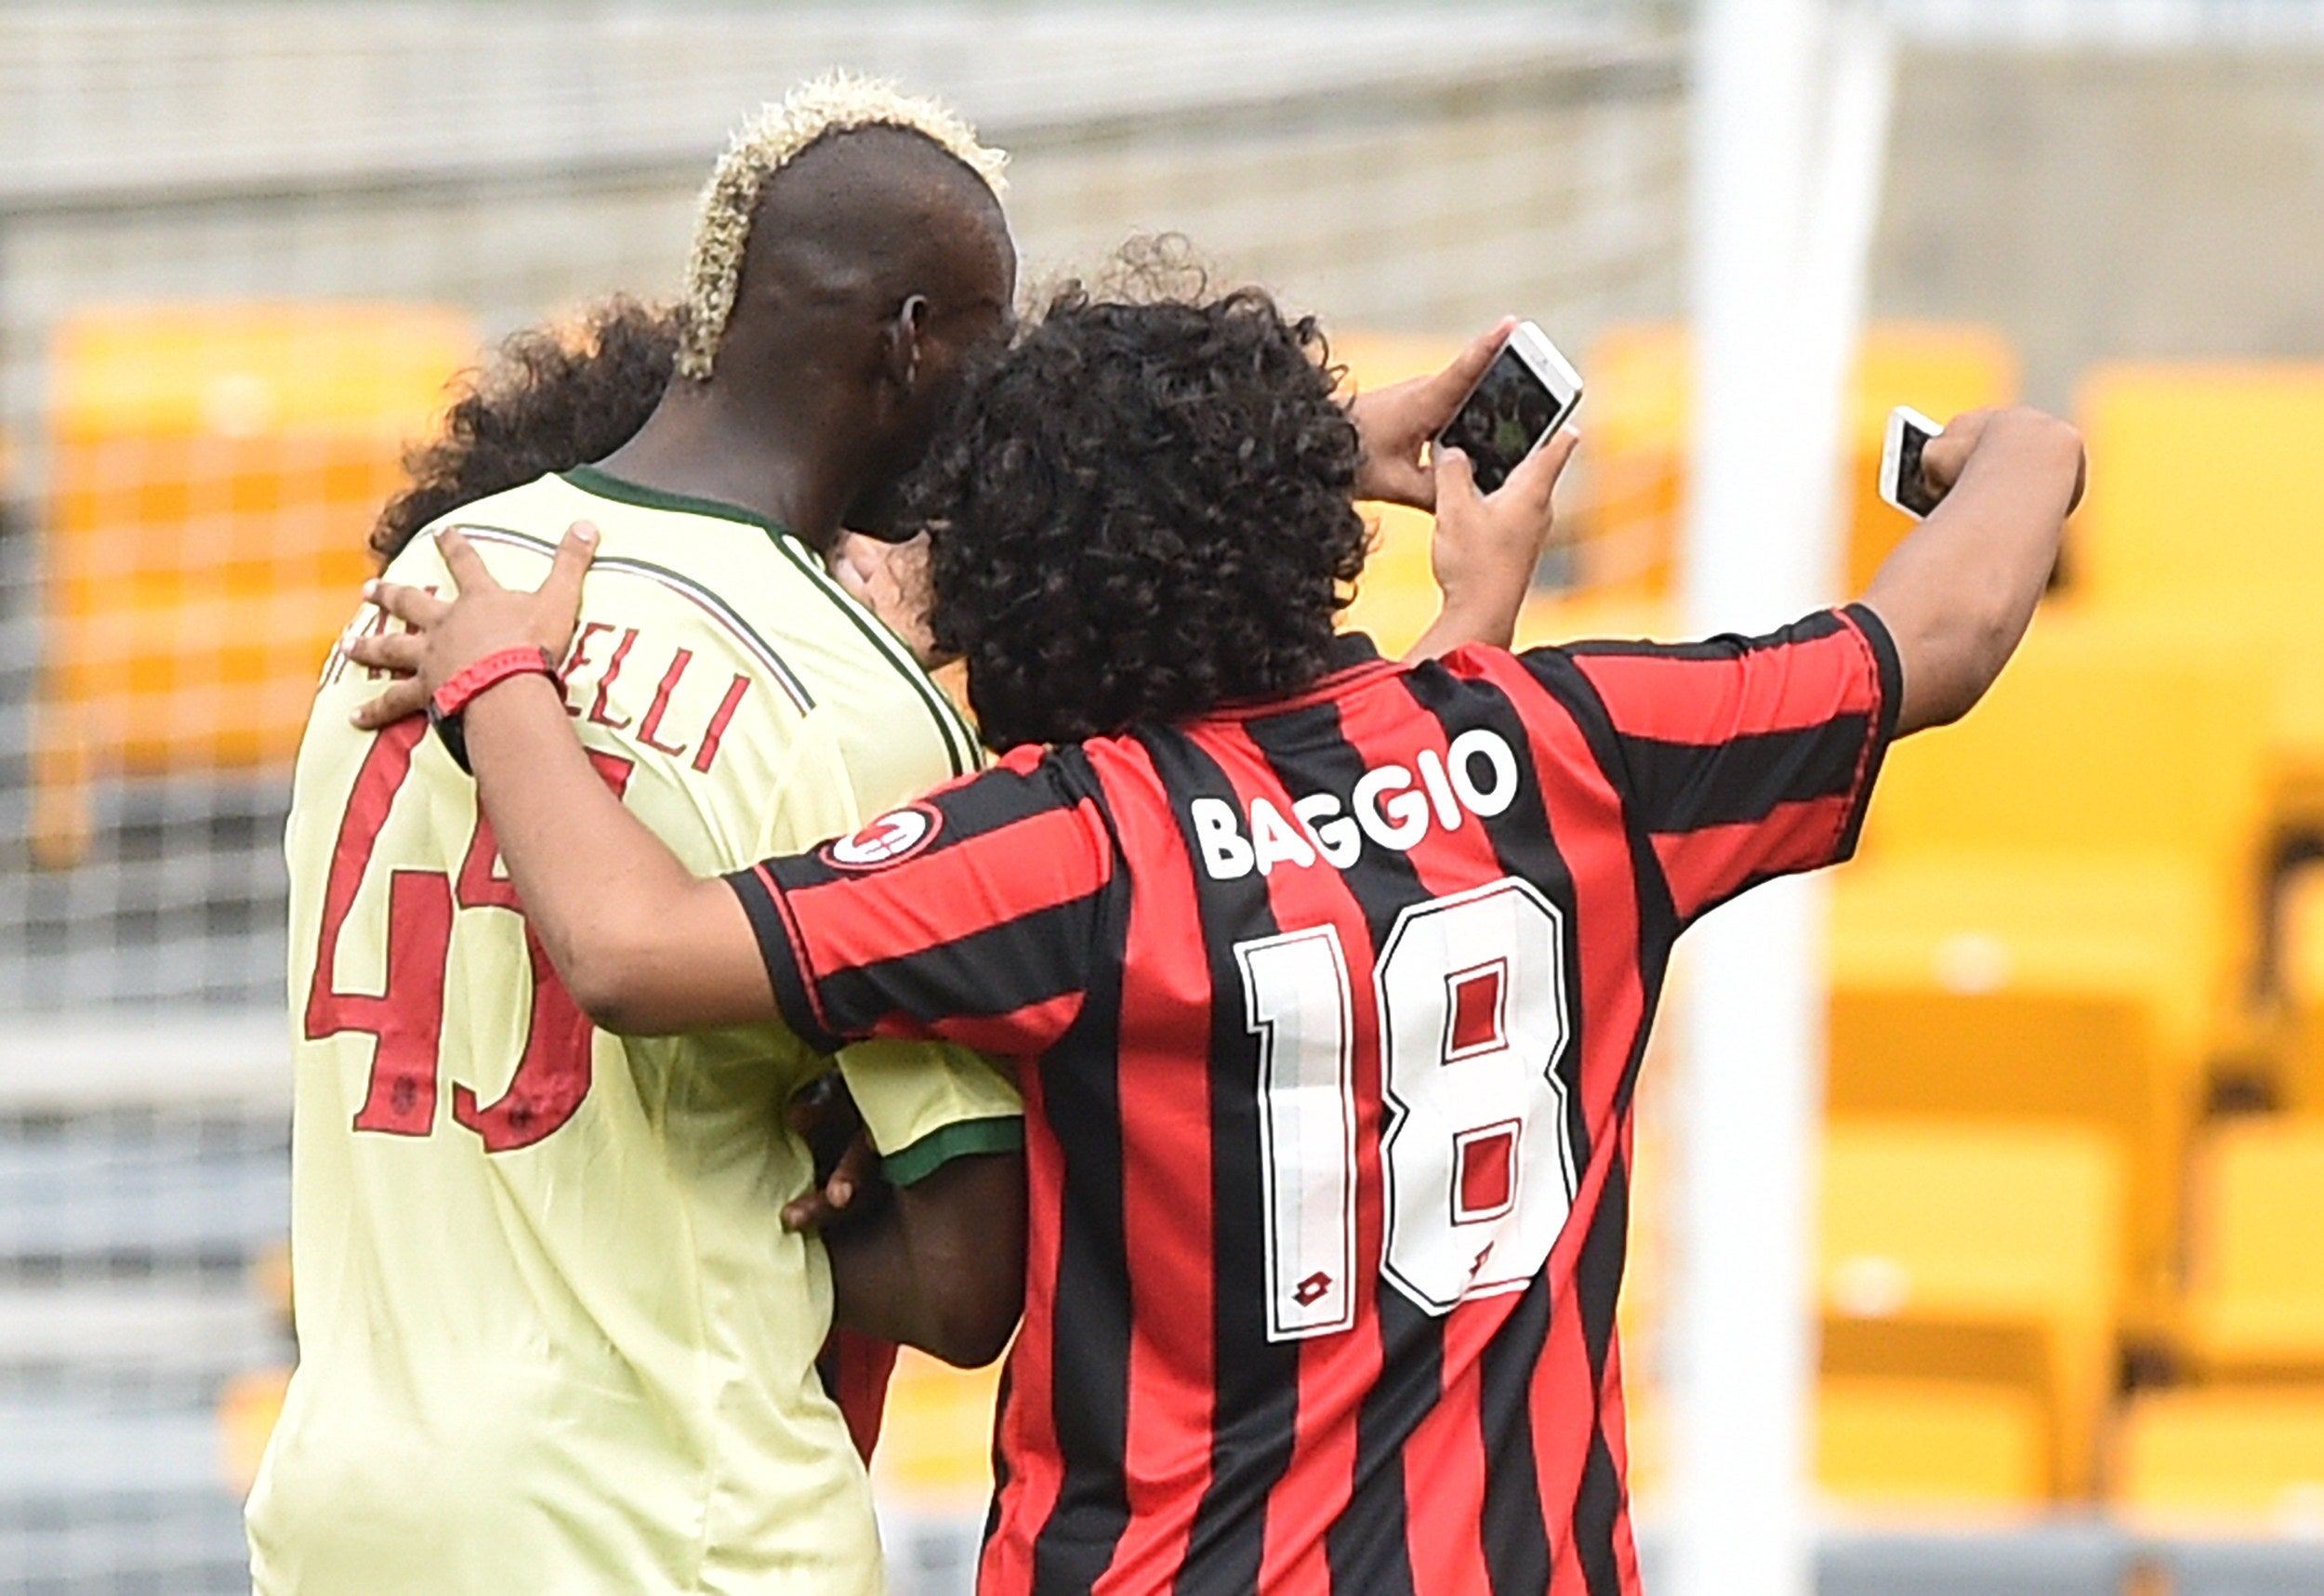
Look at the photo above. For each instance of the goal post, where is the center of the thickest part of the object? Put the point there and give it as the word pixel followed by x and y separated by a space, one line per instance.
pixel 1789 122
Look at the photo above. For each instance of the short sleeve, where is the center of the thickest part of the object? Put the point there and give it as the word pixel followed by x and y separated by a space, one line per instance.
pixel 1744 759
pixel 926 1104
pixel 975 916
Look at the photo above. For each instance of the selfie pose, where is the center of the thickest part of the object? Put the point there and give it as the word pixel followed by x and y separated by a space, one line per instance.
pixel 1327 978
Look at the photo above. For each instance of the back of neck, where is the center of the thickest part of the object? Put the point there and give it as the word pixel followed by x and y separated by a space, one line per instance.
pixel 698 445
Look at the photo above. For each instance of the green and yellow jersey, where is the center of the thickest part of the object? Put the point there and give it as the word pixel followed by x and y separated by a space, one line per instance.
pixel 552 1337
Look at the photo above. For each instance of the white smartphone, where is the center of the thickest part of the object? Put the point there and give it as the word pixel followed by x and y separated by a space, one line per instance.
pixel 1901 483
pixel 1523 397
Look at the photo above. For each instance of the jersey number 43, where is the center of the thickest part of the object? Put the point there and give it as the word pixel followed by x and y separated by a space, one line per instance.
pixel 1475 1160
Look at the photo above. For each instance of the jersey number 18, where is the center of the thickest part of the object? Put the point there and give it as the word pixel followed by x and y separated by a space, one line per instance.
pixel 1478 1169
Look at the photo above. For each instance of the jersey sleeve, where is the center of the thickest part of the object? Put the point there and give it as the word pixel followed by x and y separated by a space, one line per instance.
pixel 970 917
pixel 1744 759
pixel 925 1104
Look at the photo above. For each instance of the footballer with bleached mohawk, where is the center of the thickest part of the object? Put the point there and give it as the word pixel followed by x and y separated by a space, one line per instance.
pixel 835 102
pixel 624 1389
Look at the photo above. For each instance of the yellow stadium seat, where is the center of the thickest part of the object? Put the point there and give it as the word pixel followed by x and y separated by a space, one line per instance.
pixel 1924 1443
pixel 2200 496
pixel 2255 1278
pixel 2247 1455
pixel 936 1441
pixel 2199 509
pixel 2302 921
pixel 1930 1278
pixel 214 471
pixel 1637 416
pixel 2051 916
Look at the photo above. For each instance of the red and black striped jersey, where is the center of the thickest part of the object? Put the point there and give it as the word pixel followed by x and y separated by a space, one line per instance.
pixel 1330 1010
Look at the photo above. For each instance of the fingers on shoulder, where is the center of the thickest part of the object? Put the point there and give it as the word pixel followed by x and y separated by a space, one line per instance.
pixel 412 606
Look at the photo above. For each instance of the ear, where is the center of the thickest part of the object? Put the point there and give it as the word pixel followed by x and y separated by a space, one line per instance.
pixel 900 344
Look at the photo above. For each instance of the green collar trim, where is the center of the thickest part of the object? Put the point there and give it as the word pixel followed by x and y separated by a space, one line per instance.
pixel 941 1145
pixel 605 486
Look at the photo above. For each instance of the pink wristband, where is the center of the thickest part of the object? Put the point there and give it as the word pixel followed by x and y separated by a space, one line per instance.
pixel 493 670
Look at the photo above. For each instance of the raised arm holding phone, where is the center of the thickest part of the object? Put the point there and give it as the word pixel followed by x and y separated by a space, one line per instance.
pixel 1446 889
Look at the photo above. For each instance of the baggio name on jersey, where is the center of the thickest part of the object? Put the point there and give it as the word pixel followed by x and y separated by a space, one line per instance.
pixel 1391 806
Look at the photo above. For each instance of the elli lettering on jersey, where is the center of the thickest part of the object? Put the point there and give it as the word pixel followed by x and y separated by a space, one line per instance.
pixel 1391 806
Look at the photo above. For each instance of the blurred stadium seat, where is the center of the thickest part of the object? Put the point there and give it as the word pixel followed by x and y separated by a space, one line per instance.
pixel 1967 1352
pixel 2194 504
pixel 1637 418
pixel 2240 1453
pixel 2198 509
pixel 1635 414
pixel 2052 913
pixel 2255 1285
pixel 2301 921
pixel 936 1445
pixel 1895 1442
pixel 213 470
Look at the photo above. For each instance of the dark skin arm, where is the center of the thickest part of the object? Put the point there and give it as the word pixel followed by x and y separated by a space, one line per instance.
pixel 938 1264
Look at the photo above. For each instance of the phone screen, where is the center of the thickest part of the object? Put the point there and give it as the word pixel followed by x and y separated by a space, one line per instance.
pixel 1510 411
pixel 1912 490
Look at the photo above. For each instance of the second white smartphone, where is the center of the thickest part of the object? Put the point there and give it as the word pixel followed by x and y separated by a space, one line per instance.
pixel 1523 397
pixel 1901 483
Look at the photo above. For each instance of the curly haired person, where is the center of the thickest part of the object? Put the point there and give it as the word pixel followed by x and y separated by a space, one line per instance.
pixel 595 1365
pixel 1326 978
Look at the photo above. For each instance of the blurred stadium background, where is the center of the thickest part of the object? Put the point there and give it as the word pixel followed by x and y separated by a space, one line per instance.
pixel 2070 1275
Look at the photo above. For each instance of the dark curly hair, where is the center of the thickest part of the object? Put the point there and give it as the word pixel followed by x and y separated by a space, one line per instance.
pixel 1140 512
pixel 555 397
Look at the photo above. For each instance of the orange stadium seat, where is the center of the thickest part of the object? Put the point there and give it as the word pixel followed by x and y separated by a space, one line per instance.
pixel 1965 1351
pixel 1596 614
pixel 1634 415
pixel 1636 418
pixel 251 1403
pixel 2247 1455
pixel 2050 918
pixel 2255 1276
pixel 213 469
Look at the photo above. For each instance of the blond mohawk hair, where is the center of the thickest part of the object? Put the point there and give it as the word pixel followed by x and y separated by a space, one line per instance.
pixel 834 102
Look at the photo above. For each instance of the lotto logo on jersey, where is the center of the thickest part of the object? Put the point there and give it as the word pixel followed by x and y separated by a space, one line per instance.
pixel 895 835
